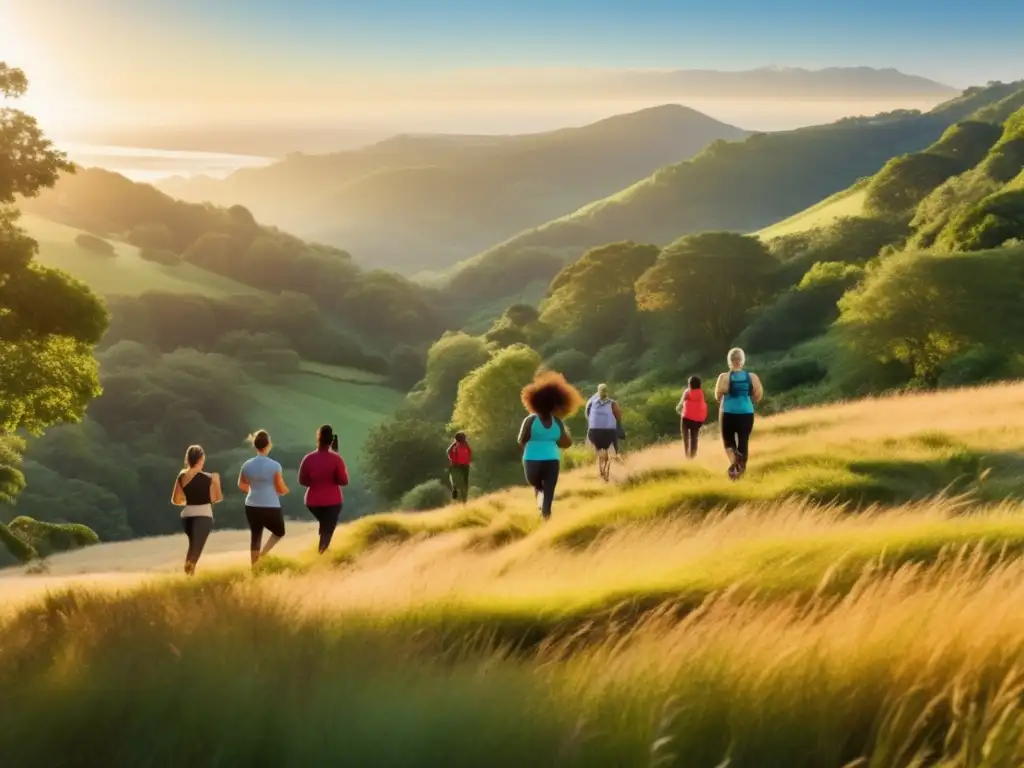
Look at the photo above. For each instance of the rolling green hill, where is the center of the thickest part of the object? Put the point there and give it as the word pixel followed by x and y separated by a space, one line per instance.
pixel 292 407
pixel 124 271
pixel 742 186
pixel 849 202
pixel 417 203
pixel 218 326
pixel 959 149
pixel 381 308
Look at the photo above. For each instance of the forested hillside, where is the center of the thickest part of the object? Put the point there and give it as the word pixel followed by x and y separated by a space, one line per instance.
pixel 218 326
pixel 741 186
pixel 419 203
pixel 921 290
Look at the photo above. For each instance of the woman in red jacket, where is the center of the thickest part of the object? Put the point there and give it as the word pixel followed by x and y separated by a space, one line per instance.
pixel 460 456
pixel 693 411
pixel 323 473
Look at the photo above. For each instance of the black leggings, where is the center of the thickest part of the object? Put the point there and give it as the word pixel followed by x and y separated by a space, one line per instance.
pixel 691 431
pixel 198 531
pixel 328 519
pixel 271 518
pixel 543 476
pixel 736 429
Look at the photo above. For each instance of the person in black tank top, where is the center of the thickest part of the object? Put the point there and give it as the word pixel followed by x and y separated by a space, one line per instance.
pixel 196 492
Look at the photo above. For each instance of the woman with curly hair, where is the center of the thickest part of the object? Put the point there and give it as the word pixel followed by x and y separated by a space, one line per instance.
pixel 548 399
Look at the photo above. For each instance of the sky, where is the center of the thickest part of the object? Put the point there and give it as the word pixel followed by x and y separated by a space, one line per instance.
pixel 111 60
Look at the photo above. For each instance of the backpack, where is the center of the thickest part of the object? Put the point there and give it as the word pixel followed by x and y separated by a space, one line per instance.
pixel 601 414
pixel 734 390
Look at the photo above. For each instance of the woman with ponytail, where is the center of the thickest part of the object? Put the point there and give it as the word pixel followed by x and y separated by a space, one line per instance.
pixel 323 474
pixel 196 492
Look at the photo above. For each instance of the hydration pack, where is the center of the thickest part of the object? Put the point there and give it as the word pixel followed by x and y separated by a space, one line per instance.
pixel 740 387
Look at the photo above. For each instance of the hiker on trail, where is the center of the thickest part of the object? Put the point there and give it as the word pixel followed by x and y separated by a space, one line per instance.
pixel 549 399
pixel 603 419
pixel 460 456
pixel 693 412
pixel 738 392
pixel 323 474
pixel 263 483
pixel 196 492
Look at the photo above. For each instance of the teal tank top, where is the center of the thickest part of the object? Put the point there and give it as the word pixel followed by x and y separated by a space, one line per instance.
pixel 738 400
pixel 543 442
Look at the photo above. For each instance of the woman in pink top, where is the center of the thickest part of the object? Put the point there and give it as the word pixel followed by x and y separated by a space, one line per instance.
pixel 693 410
pixel 323 473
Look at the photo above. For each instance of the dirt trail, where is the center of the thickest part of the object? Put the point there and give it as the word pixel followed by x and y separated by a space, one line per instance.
pixel 126 564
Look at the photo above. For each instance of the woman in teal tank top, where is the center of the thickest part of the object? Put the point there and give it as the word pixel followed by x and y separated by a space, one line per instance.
pixel 549 399
pixel 737 391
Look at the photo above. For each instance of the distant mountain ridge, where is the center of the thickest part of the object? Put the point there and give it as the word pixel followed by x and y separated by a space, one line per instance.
pixel 739 186
pixel 834 83
pixel 424 202
pixel 526 84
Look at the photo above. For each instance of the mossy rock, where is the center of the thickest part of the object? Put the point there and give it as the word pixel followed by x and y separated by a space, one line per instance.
pixel 14 550
pixel 50 538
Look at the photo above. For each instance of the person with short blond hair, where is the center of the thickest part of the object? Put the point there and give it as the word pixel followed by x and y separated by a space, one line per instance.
pixel 737 392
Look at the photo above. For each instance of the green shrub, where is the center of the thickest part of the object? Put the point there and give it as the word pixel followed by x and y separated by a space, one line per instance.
pixel 95 244
pixel 614 363
pixel 432 494
pixel 20 551
pixel 160 256
pixel 790 374
pixel 155 235
pixel 50 538
pixel 976 366
pixel 571 363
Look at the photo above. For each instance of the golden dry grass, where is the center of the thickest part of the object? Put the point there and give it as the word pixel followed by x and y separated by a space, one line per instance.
pixel 670 618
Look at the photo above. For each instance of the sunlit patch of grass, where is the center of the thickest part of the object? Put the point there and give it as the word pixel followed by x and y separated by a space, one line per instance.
pixel 839 638
pixel 858 594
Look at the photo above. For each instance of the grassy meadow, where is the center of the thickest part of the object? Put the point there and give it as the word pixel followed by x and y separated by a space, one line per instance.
pixel 849 202
pixel 292 407
pixel 125 271
pixel 856 600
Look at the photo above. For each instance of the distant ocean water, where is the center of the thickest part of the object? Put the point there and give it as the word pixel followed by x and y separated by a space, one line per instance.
pixel 148 165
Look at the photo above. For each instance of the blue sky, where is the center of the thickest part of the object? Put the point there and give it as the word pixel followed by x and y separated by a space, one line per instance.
pixel 82 53
pixel 953 40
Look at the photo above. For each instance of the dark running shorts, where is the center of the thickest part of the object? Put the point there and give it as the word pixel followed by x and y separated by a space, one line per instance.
pixel 602 439
pixel 269 518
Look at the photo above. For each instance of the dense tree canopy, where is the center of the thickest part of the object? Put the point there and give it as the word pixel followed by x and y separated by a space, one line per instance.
pixel 593 300
pixel 847 240
pixel 703 286
pixel 384 309
pixel 489 407
pixel 918 311
pixel 48 322
pixel 449 360
pixel 401 454
pixel 802 312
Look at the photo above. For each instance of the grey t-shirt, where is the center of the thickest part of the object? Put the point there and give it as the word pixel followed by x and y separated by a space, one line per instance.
pixel 259 471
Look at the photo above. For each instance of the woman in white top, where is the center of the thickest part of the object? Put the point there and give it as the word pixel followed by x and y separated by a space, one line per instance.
pixel 196 491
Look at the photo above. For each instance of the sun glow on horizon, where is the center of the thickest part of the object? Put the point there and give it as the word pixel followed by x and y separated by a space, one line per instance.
pixel 44 99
